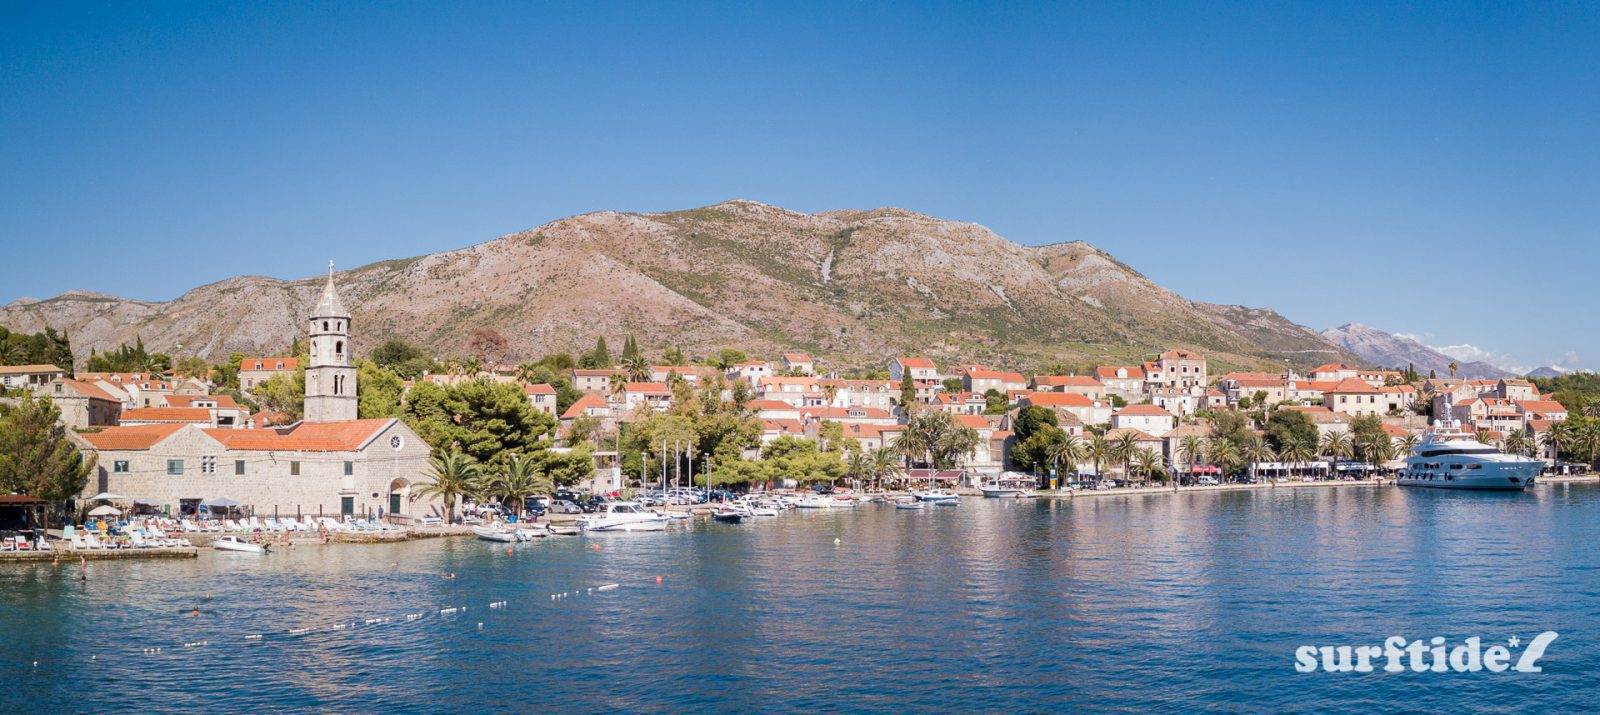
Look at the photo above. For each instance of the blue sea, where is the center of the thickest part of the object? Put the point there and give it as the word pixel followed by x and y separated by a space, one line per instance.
pixel 1154 603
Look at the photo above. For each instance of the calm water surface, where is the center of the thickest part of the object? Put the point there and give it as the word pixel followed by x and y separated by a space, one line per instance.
pixel 1149 603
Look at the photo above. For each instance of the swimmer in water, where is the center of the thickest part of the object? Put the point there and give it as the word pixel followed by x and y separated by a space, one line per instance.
pixel 450 576
pixel 195 612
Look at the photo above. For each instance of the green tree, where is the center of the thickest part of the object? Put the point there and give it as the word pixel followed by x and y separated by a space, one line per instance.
pixel 597 359
pixel 952 385
pixel 285 392
pixel 630 350
pixel 454 474
pixel 37 458
pixel 378 391
pixel 637 367
pixel 1256 450
pixel 1148 465
pixel 1284 426
pixel 1339 446
pixel 673 356
pixel 1191 449
pixel 488 421
pixel 908 392
pixel 1066 452
pixel 517 479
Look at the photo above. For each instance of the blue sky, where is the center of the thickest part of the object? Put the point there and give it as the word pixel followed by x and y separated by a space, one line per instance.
pixel 1431 169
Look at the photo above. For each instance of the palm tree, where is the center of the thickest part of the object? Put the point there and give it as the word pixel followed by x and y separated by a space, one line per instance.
pixel 1517 443
pixel 1298 450
pixel 619 385
pixel 637 367
pixel 1191 449
pixel 1099 450
pixel 454 473
pixel 1405 444
pixel 1453 367
pixel 1255 450
pixel 518 480
pixel 1069 450
pixel 1123 449
pixel 886 465
pixel 1377 449
pixel 1485 436
pixel 1338 445
pixel 1147 463
pixel 858 465
pixel 1223 453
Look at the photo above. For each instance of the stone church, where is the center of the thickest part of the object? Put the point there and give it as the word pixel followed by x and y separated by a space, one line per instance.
pixel 329 463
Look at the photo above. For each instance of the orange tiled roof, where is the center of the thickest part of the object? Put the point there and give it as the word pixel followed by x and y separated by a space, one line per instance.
pixel 1110 372
pixel 289 363
pixel 987 374
pixel 973 421
pixel 582 405
pixel 132 437
pixel 1059 399
pixel 1140 435
pixel 1353 385
pixel 1067 381
pixel 346 436
pixel 915 362
pixel 1144 410
pixel 88 390
pixel 793 358
pixel 1543 406
pixel 167 414
pixel 1179 355
pixel 539 389
pixel 29 369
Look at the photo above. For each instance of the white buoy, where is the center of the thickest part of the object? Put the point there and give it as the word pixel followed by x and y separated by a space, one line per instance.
pixel 835 542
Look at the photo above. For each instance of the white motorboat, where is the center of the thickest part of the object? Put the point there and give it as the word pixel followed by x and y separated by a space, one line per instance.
pixel 562 529
pixel 238 543
pixel 495 533
pixel 909 505
pixel 1449 457
pixel 623 516
pixel 1009 485
pixel 936 495
pixel 813 502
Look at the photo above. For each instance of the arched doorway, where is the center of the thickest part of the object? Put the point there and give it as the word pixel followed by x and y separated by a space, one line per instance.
pixel 399 494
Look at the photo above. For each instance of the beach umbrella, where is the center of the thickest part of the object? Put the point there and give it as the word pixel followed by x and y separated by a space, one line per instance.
pixel 104 510
pixel 106 496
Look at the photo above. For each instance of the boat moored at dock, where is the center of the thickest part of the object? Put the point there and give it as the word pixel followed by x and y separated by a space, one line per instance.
pixel 1449 457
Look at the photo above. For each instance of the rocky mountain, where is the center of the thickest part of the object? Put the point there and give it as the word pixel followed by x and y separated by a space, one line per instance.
pixel 1388 350
pixel 850 287
pixel 1548 371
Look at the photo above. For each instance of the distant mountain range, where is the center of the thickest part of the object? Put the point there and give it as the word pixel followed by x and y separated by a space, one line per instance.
pixel 1388 350
pixel 850 287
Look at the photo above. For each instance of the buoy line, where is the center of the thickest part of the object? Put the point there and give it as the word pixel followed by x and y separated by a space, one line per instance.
pixel 290 635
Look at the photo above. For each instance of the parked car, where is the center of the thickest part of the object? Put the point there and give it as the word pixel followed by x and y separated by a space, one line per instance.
pixel 565 506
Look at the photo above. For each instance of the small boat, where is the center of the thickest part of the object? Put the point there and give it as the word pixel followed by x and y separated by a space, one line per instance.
pixel 947 502
pixel 623 516
pixel 492 533
pixel 813 502
pixel 727 515
pixel 238 543
pixel 562 529
pixel 936 496
pixel 763 510
pixel 909 505
pixel 1008 485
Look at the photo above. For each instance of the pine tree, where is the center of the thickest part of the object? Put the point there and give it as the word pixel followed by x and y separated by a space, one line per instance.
pixel 36 456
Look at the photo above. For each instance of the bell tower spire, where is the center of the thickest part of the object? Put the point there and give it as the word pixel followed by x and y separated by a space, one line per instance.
pixel 331 374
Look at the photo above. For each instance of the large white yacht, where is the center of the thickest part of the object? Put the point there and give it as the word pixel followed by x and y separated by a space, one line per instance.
pixel 1449 457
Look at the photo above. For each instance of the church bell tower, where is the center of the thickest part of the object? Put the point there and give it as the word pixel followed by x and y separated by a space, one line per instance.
pixel 331 376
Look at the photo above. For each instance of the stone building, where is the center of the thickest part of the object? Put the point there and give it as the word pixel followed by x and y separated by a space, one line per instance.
pixel 330 463
pixel 331 375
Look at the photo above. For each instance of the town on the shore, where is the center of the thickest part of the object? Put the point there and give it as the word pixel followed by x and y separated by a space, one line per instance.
pixel 399 434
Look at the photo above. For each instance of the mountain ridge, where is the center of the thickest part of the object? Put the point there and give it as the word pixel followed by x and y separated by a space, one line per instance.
pixel 850 286
pixel 1386 349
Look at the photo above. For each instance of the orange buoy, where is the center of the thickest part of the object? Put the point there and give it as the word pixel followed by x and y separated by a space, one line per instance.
pixel 658 580
pixel 596 547
pixel 508 551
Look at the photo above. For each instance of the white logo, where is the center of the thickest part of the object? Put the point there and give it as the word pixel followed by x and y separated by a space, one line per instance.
pixel 1396 655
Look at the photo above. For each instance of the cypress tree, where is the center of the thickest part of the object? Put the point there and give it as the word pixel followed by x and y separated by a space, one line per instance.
pixel 908 391
pixel 602 356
